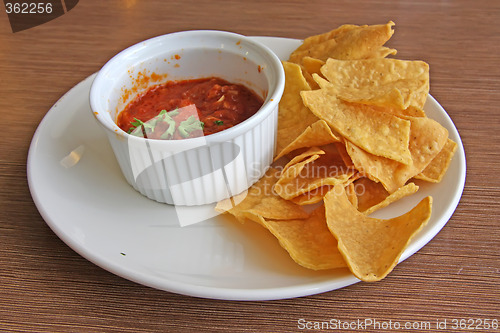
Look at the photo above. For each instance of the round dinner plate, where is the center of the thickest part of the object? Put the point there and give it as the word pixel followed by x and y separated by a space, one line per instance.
pixel 80 192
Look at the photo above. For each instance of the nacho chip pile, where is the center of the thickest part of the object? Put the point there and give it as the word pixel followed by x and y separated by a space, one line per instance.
pixel 352 137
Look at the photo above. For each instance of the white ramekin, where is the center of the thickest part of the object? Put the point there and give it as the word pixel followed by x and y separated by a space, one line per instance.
pixel 200 170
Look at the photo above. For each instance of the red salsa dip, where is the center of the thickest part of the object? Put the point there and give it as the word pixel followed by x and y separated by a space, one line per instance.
pixel 188 108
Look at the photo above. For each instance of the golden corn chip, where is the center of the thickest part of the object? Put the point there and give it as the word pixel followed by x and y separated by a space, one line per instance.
pixel 371 247
pixel 334 155
pixel 348 42
pixel 308 241
pixel 369 193
pixel 312 173
pixel 261 199
pixel 335 159
pixel 411 111
pixel 311 154
pixel 364 42
pixel 427 138
pixel 387 97
pixel 387 82
pixel 383 52
pixel 314 196
pixel 286 185
pixel 320 51
pixel 400 193
pixel 293 116
pixel 293 171
pixel 317 134
pixel 309 79
pixel 351 195
pixel 309 67
pixel 312 65
pixel 376 168
pixel 323 83
pixel 379 133
pixel 435 171
pixel 344 155
pixel 373 196
pixel 317 39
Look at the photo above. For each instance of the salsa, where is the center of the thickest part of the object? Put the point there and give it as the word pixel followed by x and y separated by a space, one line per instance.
pixel 188 108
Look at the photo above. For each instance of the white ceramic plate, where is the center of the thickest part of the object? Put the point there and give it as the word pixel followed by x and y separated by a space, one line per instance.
pixel 79 190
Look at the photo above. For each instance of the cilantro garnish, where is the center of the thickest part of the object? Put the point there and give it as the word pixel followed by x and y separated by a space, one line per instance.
pixel 172 113
pixel 135 124
pixel 169 133
pixel 189 125
pixel 219 122
pixel 141 128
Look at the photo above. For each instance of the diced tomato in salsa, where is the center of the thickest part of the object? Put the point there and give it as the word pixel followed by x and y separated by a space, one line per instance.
pixel 218 105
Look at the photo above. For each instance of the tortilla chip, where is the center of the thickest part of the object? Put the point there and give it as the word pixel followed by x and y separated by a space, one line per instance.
pixel 309 79
pixel 371 247
pixel 373 196
pixel 320 51
pixel 312 152
pixel 318 39
pixel 312 65
pixel 314 196
pixel 293 116
pixel 262 200
pixel 400 193
pixel 351 195
pixel 427 138
pixel 309 67
pixel 383 52
pixel 336 154
pixel 312 173
pixel 386 82
pixel 344 155
pixel 347 42
pixel 317 134
pixel 308 241
pixel 369 193
pixel 435 171
pixel 379 133
pixel 411 111
pixel 363 42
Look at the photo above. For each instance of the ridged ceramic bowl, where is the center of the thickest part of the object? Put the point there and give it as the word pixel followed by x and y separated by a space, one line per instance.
pixel 201 170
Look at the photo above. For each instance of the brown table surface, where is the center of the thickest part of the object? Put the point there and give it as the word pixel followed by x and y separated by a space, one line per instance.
pixel 46 286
